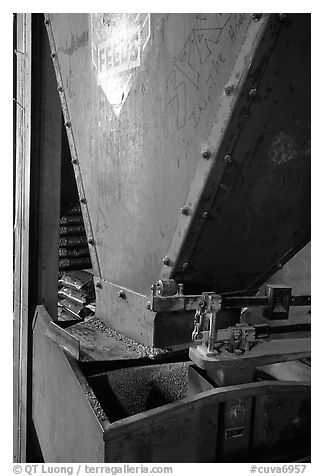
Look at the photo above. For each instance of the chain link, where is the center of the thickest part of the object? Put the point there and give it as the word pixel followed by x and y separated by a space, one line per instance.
pixel 196 333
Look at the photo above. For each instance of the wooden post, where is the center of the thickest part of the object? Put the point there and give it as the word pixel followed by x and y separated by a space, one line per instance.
pixel 21 231
pixel 46 146
pixel 37 210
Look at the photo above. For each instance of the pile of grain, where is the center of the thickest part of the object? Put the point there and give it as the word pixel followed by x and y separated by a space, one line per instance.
pixel 133 390
pixel 130 344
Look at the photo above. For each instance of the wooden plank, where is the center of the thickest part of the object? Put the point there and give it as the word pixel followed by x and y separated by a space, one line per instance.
pixel 49 183
pixel 45 174
pixel 21 230
pixel 37 204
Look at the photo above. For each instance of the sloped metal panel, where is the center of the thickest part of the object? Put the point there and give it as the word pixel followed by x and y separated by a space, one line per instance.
pixel 142 93
pixel 258 199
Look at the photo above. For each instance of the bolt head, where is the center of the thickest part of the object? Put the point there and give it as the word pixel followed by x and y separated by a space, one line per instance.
pixel 166 261
pixel 75 161
pixel 204 215
pixel 67 123
pixel 53 55
pixel 237 333
pixel 180 288
pixel 185 266
pixel 60 89
pixel 229 89
pixel 83 200
pixel 46 21
pixel 283 18
pixel 185 210
pixel 227 159
pixel 256 16
pixel 205 153
pixel 99 285
pixel 252 92
pixel 148 305
pixel 122 294
pixel 238 352
pixel 91 241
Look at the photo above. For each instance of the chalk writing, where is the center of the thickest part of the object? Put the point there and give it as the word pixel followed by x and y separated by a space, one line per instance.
pixel 222 19
pixel 184 61
pixel 195 115
pixel 176 98
pixel 198 64
pixel 235 26
pixel 206 41
pixel 216 66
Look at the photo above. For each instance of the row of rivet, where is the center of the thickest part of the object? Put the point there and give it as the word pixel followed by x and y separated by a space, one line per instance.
pixel 67 124
pixel 206 154
pixel 122 294
pixel 282 17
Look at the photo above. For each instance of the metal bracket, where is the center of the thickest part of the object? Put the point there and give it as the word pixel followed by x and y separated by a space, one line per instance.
pixel 279 298
pixel 236 339
pixel 277 302
pixel 168 296
pixel 209 305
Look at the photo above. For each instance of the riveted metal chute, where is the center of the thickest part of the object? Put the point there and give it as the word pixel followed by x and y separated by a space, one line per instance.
pixel 190 143
pixel 195 130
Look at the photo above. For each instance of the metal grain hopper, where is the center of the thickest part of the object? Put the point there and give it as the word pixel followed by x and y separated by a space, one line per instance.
pixel 189 138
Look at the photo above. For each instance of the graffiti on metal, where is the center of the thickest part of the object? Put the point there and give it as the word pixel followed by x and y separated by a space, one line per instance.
pixel 201 66
pixel 118 44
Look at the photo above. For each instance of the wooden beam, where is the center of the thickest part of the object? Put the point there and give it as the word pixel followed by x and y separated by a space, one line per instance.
pixel 37 207
pixel 45 174
pixel 21 234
